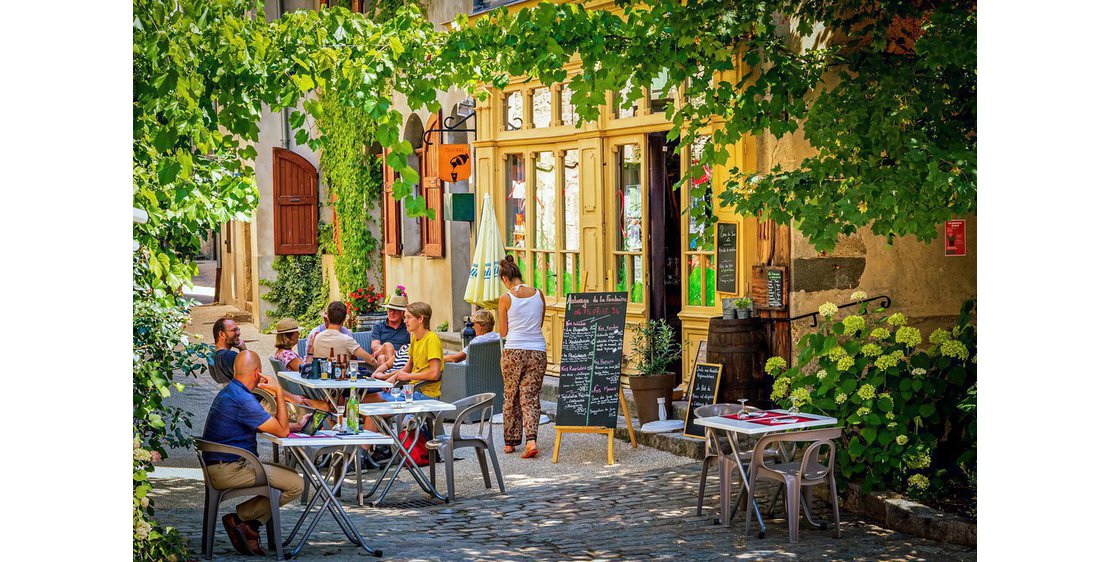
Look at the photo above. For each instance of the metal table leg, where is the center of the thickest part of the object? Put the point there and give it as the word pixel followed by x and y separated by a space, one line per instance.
pixel 330 503
pixel 400 456
pixel 726 514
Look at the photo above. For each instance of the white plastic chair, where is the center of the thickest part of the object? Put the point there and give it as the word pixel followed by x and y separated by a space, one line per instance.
pixel 810 471
pixel 720 451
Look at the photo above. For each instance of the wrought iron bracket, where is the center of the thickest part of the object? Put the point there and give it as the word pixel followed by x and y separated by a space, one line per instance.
pixel 450 127
pixel 884 302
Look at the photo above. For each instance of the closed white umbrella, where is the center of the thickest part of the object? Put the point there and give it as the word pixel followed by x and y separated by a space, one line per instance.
pixel 483 287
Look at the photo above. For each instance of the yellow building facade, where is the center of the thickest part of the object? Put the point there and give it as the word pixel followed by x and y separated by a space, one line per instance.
pixel 590 207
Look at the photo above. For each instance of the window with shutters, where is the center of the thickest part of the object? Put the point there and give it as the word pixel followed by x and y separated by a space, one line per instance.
pixel 295 204
pixel 431 228
pixel 391 210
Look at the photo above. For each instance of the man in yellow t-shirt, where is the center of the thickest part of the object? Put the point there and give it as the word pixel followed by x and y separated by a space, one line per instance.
pixel 425 354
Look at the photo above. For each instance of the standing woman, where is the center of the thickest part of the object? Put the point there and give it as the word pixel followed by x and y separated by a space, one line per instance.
pixel 524 359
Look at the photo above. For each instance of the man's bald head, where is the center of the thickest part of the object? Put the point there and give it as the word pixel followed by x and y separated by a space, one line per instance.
pixel 247 367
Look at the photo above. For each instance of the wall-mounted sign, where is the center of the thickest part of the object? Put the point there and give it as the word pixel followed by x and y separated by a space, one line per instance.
pixel 454 162
pixel 955 240
pixel 726 257
pixel 770 287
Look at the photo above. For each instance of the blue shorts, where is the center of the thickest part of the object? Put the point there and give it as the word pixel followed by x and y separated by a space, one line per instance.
pixel 416 395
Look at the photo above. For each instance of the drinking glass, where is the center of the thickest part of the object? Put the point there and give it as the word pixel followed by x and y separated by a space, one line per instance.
pixel 793 405
pixel 408 393
pixel 340 425
pixel 396 392
pixel 743 409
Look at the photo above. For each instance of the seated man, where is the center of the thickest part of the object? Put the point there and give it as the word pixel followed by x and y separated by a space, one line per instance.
pixel 425 356
pixel 483 326
pixel 323 326
pixel 332 341
pixel 390 335
pixel 233 419
pixel 225 332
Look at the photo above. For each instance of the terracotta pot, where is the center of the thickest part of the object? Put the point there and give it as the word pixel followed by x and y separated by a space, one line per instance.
pixel 647 390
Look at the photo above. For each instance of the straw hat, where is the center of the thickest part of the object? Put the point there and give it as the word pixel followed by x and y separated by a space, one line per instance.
pixel 398 302
pixel 287 325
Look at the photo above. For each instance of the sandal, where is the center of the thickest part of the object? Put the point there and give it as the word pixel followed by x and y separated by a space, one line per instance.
pixel 510 449
pixel 530 452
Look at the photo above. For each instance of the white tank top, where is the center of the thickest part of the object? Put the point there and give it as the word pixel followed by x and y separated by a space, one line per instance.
pixel 525 323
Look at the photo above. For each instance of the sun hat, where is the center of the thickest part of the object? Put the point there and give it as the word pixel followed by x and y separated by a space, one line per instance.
pixel 287 325
pixel 398 302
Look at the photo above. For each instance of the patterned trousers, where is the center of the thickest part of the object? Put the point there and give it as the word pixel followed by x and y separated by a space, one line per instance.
pixel 523 371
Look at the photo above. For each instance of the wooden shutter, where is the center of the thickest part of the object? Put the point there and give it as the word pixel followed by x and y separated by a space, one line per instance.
pixel 431 230
pixel 295 199
pixel 391 211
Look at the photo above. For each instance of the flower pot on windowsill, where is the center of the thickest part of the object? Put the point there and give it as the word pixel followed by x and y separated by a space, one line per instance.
pixel 646 392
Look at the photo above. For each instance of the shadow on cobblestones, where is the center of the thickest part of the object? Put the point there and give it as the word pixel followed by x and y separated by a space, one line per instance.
pixel 642 515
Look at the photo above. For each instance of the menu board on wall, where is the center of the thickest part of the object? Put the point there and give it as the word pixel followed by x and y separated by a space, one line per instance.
pixel 774 288
pixel 726 257
pixel 590 365
pixel 703 391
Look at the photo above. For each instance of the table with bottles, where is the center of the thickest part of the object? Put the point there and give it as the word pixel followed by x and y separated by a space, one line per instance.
pixel 334 389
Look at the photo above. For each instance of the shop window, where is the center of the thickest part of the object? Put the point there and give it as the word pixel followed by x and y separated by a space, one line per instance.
pixel 571 222
pixel 630 222
pixel 566 107
pixel 623 106
pixel 701 273
pixel 515 196
pixel 541 107
pixel 659 94
pixel 544 257
pixel 514 111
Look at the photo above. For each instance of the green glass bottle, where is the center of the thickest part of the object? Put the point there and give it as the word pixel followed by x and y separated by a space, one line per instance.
pixel 352 411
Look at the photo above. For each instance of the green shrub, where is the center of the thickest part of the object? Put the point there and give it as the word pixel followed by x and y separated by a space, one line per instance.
pixel 897 393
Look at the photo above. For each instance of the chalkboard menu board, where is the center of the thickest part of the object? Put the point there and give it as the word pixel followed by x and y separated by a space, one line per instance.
pixel 726 257
pixel 590 367
pixel 774 288
pixel 703 391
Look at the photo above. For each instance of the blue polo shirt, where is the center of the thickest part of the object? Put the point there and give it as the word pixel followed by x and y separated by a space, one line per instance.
pixel 233 420
pixel 383 332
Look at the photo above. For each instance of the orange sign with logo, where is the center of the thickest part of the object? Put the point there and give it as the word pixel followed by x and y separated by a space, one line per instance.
pixel 454 162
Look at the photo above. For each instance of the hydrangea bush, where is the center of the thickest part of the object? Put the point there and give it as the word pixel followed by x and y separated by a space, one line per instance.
pixel 897 395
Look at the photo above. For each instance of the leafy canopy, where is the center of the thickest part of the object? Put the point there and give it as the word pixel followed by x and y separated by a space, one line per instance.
pixel 890 115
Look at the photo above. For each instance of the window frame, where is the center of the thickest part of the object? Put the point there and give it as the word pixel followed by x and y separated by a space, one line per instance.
pixel 628 256
pixel 526 257
pixel 706 258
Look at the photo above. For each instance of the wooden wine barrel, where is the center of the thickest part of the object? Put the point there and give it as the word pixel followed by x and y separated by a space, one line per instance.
pixel 740 347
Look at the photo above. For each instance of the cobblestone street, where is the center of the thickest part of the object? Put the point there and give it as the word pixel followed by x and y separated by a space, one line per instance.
pixel 640 515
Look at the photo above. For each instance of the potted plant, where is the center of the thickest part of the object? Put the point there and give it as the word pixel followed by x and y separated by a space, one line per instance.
pixel 743 307
pixel 654 348
pixel 365 305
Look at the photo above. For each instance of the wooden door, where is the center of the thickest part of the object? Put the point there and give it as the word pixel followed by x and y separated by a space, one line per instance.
pixel 295 204
pixel 431 229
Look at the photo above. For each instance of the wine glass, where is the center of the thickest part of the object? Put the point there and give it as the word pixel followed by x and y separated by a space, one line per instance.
pixel 396 393
pixel 743 407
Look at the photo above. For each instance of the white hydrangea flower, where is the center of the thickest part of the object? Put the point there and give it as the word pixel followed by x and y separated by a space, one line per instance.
pixel 827 310
pixel 858 295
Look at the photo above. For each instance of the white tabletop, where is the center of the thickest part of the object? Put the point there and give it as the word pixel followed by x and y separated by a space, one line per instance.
pixel 749 428
pixel 333 384
pixel 363 438
pixel 414 407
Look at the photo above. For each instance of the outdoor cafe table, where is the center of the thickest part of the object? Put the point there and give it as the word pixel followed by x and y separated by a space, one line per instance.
pixel 731 428
pixel 333 388
pixel 421 411
pixel 325 492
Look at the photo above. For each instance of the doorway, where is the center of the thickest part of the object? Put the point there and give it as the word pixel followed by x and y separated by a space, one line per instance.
pixel 665 241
